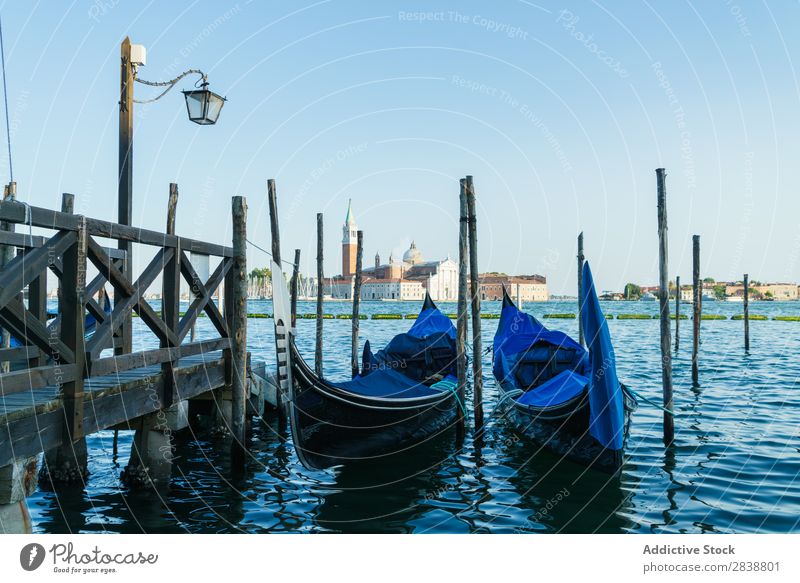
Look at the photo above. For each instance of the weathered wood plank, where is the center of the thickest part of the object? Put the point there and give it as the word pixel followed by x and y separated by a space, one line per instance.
pixel 72 331
pixel 15 212
pixel 28 379
pixel 120 365
pixel 40 425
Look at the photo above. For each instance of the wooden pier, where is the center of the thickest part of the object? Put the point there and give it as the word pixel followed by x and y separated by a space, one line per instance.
pixel 63 382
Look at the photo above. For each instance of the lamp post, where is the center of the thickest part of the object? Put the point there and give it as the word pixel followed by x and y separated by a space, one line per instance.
pixel 203 107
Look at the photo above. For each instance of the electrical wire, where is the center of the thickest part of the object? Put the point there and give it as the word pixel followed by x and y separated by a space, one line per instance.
pixel 5 99
pixel 289 263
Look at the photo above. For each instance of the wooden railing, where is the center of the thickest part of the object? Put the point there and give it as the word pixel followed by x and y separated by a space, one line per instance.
pixel 57 351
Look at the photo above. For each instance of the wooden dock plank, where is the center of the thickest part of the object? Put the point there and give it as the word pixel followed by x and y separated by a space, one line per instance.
pixel 32 422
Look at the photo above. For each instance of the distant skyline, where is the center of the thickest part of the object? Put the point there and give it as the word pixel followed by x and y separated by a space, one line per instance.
pixel 561 112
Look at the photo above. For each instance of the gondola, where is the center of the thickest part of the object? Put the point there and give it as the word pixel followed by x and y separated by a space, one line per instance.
pixel 563 397
pixel 402 396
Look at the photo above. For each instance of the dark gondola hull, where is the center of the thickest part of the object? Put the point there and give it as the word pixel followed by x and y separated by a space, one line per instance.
pixel 564 431
pixel 333 427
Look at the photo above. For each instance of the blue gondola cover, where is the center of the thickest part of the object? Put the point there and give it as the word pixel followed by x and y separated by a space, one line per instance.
pixel 606 403
pixel 551 368
pixel 427 350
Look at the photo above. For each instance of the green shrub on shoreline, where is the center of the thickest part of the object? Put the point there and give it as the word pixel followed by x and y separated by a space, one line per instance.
pixel 559 316
pixel 713 317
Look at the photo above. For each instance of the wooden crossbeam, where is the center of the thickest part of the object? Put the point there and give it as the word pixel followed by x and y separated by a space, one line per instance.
pixel 16 212
pixel 203 293
pixel 92 288
pixel 24 325
pixel 129 296
pixel 26 267
pixel 21 239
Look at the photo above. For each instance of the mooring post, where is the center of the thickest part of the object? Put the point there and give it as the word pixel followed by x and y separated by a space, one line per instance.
pixel 697 308
pixel 6 255
pixel 746 307
pixel 150 463
pixel 580 289
pixel 461 328
pixel 475 292
pixel 67 463
pixel 17 482
pixel 72 330
pixel 171 297
pixel 293 287
pixel 677 311
pixel 356 303
pixel 125 180
pixel 663 299
pixel 272 196
pixel 238 328
pixel 320 298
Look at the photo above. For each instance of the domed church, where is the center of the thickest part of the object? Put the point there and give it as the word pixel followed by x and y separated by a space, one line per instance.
pixel 408 279
pixel 438 278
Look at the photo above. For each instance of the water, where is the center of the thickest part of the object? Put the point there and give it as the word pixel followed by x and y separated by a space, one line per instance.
pixel 734 466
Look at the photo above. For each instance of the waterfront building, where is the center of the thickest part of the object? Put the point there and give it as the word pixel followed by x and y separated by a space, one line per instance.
pixel 527 288
pixel 778 291
pixel 407 278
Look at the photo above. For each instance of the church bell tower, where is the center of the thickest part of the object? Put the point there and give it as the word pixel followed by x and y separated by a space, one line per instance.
pixel 349 242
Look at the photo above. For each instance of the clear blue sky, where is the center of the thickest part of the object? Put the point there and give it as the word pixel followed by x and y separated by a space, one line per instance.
pixel 561 112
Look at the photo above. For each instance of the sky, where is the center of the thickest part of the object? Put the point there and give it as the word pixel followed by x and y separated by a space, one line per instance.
pixel 561 111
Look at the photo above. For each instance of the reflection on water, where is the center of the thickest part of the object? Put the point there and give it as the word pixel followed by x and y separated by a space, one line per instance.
pixel 733 467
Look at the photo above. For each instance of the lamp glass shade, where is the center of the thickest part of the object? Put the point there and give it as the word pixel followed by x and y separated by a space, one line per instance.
pixel 203 106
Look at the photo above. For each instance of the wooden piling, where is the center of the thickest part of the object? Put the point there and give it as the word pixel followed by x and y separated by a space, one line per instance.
pixel 272 194
pixel 580 289
pixel 238 329
pixel 320 297
pixel 697 307
pixel 72 331
pixel 475 293
pixel 677 312
pixel 272 199
pixel 6 255
pixel 356 303
pixel 293 286
pixel 663 281
pixel 746 307
pixel 171 298
pixel 67 463
pixel 461 327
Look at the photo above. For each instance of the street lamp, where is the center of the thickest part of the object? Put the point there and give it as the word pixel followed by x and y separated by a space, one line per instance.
pixel 203 107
